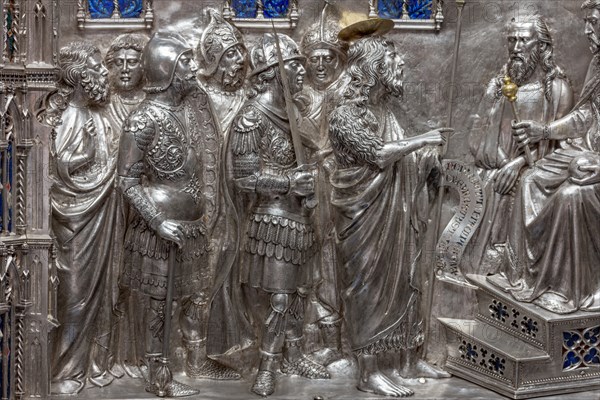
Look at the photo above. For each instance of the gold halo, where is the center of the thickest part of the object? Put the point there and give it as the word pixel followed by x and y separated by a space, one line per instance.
pixel 368 27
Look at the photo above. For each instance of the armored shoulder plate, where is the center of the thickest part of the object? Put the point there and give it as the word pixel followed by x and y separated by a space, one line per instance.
pixel 247 127
pixel 141 126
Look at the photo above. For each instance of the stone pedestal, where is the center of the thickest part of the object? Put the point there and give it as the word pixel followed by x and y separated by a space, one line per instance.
pixel 521 350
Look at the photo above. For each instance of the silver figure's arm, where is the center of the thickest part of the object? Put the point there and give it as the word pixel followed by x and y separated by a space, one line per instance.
pixel 138 134
pixel 573 125
pixel 248 174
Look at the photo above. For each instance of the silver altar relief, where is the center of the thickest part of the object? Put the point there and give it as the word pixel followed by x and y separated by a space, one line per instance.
pixel 242 199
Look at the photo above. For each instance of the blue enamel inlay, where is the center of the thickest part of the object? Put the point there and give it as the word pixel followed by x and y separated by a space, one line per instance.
pixel 101 8
pixel 571 360
pixel 244 8
pixel 592 357
pixel 419 9
pixel 275 8
pixel 570 339
pixel 130 8
pixel 390 8
pixel 592 336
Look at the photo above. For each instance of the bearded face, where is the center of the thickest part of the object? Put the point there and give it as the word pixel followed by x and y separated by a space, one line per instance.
pixel 592 29
pixel 184 80
pixel 232 68
pixel 94 79
pixel 524 51
pixel 393 73
pixel 126 70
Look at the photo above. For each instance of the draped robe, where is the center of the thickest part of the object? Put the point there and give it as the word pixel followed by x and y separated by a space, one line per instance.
pixel 553 245
pixel 86 223
pixel 378 215
pixel 492 145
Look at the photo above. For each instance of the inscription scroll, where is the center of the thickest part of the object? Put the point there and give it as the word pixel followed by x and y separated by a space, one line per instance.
pixel 465 221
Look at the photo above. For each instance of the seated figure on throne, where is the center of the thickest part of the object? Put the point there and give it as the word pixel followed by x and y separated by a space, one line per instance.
pixel 553 248
pixel 544 95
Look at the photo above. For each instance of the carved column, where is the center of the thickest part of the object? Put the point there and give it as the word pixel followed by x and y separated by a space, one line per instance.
pixel 21 185
pixel 373 9
pixel 5 5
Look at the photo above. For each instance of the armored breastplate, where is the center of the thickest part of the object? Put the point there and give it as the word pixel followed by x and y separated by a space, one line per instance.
pixel 277 149
pixel 168 154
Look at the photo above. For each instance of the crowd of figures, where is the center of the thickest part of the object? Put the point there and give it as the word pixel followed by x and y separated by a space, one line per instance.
pixel 184 172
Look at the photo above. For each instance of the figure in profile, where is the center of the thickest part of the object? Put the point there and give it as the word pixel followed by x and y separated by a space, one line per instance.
pixel 85 216
pixel 160 173
pixel 381 198
pixel 279 235
pixel 223 65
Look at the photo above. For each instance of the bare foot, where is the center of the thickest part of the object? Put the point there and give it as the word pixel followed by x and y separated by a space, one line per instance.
pixel 422 369
pixel 378 383
pixel 67 386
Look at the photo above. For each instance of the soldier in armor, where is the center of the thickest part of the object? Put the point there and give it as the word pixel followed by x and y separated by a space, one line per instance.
pixel 223 62
pixel 326 58
pixel 84 161
pixel 279 235
pixel 161 175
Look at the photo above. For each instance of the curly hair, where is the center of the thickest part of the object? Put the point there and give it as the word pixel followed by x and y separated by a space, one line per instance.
pixel 353 134
pixel 366 63
pixel 72 60
pixel 126 41
pixel 591 4
pixel 259 82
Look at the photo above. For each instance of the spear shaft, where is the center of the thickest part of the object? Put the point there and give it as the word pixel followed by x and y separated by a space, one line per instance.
pixel 440 195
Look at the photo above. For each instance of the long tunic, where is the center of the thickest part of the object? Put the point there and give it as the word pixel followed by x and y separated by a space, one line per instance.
pixel 554 240
pixel 377 240
pixel 85 221
pixel 492 144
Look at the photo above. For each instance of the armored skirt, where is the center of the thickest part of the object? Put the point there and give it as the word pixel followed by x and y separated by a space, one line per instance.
pixel 277 247
pixel 147 255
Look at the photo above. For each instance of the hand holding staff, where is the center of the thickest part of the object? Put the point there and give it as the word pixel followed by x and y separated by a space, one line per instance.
pixel 509 90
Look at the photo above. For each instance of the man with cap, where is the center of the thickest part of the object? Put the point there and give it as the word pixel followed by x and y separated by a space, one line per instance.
pixel 223 64
pixel 279 235
pixel 160 173
pixel 326 59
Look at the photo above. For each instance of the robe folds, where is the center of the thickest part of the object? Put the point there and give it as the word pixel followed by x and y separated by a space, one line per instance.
pixel 87 224
pixel 492 145
pixel 553 250
pixel 379 212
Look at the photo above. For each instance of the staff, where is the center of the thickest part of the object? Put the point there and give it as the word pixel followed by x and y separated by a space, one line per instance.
pixel 440 196
pixel 509 90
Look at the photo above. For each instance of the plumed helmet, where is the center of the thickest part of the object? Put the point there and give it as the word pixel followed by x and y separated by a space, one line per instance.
pixel 264 54
pixel 159 59
pixel 218 37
